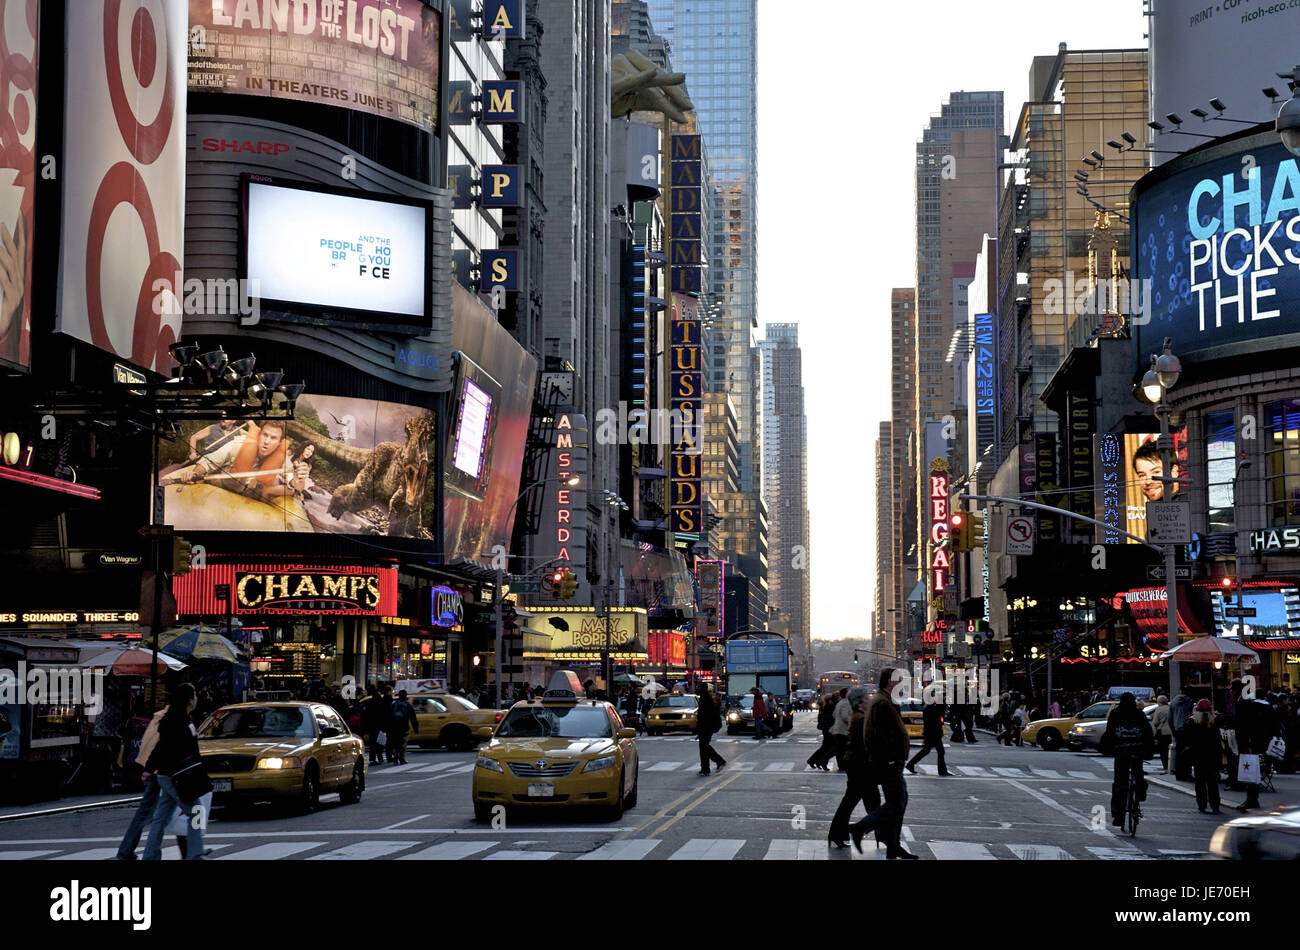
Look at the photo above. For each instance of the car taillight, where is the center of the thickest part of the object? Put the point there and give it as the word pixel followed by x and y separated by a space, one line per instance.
pixel 499 717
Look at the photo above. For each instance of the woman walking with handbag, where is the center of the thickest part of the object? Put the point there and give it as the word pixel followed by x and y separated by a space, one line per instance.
pixel 180 775
pixel 708 723
pixel 861 784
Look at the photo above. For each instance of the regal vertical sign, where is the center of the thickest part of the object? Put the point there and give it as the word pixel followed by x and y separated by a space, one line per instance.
pixel 686 217
pixel 686 405
pixel 939 526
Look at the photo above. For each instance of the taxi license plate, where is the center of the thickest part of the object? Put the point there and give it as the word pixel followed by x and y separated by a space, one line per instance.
pixel 541 790
pixel 223 784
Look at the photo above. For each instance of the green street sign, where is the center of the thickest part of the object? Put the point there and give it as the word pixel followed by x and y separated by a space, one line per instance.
pixel 525 587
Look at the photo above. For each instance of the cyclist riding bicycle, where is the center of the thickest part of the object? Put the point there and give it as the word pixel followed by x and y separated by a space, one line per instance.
pixel 1129 735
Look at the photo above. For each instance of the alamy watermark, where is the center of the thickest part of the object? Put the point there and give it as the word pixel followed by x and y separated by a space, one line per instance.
pixel 208 296
pixel 948 685
pixel 1089 297
pixel 52 686
pixel 624 426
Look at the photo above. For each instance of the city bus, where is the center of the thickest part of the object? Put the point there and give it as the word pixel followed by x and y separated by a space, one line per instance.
pixel 834 681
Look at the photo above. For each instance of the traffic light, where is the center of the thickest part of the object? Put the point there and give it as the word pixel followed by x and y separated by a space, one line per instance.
pixel 1226 582
pixel 855 658
pixel 180 556
pixel 975 530
pixel 959 531
pixel 566 584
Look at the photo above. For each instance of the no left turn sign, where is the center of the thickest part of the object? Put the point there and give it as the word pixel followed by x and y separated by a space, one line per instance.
pixel 1020 535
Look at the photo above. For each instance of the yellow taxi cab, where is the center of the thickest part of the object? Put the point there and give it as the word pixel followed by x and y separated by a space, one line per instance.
pixel 290 751
pixel 558 751
pixel 673 712
pixel 912 710
pixel 446 719
pixel 1050 734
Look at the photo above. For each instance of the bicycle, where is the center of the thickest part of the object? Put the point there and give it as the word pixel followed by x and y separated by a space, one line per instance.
pixel 1133 809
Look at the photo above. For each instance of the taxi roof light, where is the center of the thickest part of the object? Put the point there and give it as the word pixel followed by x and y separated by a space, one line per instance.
pixel 564 685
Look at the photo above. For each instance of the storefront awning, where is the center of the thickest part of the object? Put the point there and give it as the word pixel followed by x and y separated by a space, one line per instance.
pixel 1282 643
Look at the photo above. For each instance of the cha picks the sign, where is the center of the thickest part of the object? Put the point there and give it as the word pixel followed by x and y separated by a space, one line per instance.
pixel 1220 242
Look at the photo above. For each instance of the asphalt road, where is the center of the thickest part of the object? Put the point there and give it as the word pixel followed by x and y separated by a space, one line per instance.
pixel 1003 804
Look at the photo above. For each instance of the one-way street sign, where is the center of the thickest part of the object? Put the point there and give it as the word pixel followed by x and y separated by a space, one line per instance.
pixel 1239 612
pixel 1156 572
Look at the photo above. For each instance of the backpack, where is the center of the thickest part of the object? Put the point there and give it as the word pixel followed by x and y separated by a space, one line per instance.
pixel 401 719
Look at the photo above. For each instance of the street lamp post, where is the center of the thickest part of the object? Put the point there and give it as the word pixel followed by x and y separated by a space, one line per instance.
pixel 1159 379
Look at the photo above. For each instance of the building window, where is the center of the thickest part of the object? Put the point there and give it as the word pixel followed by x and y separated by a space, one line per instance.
pixel 1282 461
pixel 1220 459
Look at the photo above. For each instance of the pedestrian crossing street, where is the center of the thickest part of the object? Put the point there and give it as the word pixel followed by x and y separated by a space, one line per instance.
pixel 635 849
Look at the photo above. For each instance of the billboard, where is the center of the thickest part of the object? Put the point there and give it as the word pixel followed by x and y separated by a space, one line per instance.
pixel 686 401
pixel 578 634
pixel 1143 463
pixel 1219 240
pixel 340 466
pixel 1230 50
pixel 1277 613
pixel 708 575
pixel 474 525
pixel 318 247
pixel 380 57
pixel 18 32
pixel 1109 493
pixel 123 176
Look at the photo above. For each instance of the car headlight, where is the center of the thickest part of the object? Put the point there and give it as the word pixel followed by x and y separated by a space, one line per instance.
pixel 1077 730
pixel 599 765
pixel 492 765
pixel 733 717
pixel 280 762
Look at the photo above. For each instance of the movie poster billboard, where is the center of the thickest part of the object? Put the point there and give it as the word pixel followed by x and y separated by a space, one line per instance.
pixel 340 466
pixel 18 32
pixel 380 57
pixel 123 175
pixel 1143 464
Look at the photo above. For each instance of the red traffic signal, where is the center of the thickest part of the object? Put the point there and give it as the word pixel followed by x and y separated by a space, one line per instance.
pixel 1226 581
pixel 958 519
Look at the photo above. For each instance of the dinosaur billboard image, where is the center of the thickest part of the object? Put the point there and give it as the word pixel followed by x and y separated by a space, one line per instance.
pixel 340 466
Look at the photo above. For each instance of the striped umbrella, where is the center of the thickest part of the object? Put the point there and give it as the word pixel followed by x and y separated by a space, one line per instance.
pixel 198 643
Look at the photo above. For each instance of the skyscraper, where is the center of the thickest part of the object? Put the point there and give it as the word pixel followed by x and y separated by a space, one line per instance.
pixel 956 205
pixel 898 468
pixel 785 485
pixel 716 44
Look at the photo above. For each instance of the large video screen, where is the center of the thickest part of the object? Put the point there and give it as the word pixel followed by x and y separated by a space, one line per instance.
pixel 340 466
pixel 317 248
pixel 1271 617
pixel 375 56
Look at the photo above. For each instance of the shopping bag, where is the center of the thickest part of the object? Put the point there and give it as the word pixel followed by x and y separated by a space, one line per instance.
pixel 181 823
pixel 382 738
pixel 1248 769
pixel 1277 748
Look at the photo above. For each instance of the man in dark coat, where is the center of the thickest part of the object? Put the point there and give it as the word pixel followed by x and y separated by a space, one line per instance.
pixel 708 721
pixel 886 742
pixel 1256 726
pixel 931 737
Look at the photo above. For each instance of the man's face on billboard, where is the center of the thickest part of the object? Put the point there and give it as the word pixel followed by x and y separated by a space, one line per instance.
pixel 1147 471
pixel 268 440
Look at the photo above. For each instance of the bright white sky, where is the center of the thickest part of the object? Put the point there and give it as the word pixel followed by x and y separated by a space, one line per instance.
pixel 844 90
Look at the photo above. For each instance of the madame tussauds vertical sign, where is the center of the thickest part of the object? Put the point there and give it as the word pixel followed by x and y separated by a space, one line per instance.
pixel 375 56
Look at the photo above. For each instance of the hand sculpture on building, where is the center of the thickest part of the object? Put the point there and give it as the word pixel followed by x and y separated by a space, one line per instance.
pixel 638 85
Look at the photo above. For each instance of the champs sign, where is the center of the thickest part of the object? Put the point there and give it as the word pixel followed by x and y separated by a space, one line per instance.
pixel 279 589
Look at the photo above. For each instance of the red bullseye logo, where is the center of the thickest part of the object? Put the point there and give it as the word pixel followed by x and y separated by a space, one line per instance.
pixel 145 138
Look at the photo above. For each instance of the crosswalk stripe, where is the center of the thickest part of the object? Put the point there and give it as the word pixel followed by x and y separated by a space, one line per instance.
pixel 273 851
pixel 744 766
pixel 521 855
pixel 1046 773
pixel 789 849
pixel 1090 775
pixel 631 850
pixel 363 851
pixel 436 767
pixel 780 767
pixel 907 834
pixel 1119 854
pixel 1009 772
pixel 1040 852
pixel 94 854
pixel 394 769
pixel 975 771
pixel 708 849
pixel 960 851
pixel 26 855
pixel 664 766
pixel 461 769
pixel 448 851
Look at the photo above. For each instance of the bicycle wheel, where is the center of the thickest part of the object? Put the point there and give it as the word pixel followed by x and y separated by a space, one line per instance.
pixel 1134 812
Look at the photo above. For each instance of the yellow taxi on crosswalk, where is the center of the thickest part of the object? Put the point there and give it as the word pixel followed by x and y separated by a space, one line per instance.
pixel 452 721
pixel 555 752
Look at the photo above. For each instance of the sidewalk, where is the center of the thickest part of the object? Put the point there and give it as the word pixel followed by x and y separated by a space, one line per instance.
pixel 1288 790
pixel 65 805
